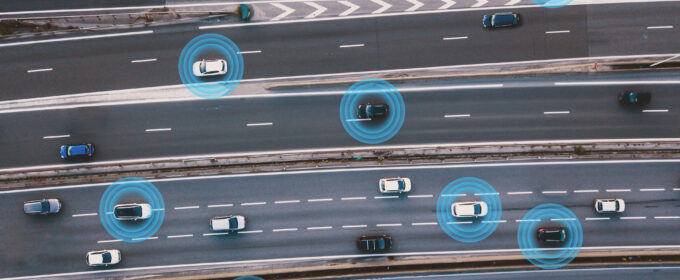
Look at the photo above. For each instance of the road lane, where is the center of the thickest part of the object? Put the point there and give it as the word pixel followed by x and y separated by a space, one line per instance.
pixel 70 237
pixel 295 49
pixel 511 113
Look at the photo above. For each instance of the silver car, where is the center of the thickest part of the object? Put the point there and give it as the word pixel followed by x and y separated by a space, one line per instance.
pixel 42 207
pixel 132 211
pixel 228 223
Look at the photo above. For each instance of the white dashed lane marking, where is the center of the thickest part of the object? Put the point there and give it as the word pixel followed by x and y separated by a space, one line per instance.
pixel 84 215
pixel 420 196
pixel 284 229
pixel 388 225
pixel 39 70
pixel 215 233
pixel 354 198
pixel 253 203
pixel 597 218
pixel 187 207
pixel 144 60
pixel 319 199
pixel 220 205
pixel 384 197
pixel 586 191
pixel 318 228
pixel 286 201
pixel 516 193
pixel 250 231
pixel 57 136
pixel 455 38
pixel 180 236
pixel 619 190
pixel 653 190
pixel 633 218
pixel 354 226
pixel 425 224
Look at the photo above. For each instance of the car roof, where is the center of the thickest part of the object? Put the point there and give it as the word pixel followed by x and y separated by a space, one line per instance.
pixel 78 149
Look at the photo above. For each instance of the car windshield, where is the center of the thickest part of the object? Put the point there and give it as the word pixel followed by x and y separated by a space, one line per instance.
pixel 134 211
pixel 617 205
pixel 202 66
pixel 233 223
pixel 402 186
pixel 106 257
pixel 599 205
pixel 381 243
pixel 478 209
pixel 45 205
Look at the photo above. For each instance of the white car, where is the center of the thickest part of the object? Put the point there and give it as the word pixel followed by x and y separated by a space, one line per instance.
pixel 103 257
pixel 228 223
pixel 132 211
pixel 205 68
pixel 469 209
pixel 610 205
pixel 394 185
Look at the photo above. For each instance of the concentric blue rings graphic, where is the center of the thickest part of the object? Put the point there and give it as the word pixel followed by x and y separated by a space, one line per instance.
pixel 373 91
pixel 209 47
pixel 552 3
pixel 549 215
pixel 141 191
pixel 469 229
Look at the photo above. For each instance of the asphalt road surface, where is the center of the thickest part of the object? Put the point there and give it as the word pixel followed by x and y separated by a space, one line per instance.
pixel 517 111
pixel 321 213
pixel 294 49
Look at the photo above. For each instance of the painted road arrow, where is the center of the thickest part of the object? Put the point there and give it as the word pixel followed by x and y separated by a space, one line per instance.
pixel 416 5
pixel 480 3
pixel 512 2
pixel 384 7
pixel 286 11
pixel 319 9
pixel 351 9
pixel 447 4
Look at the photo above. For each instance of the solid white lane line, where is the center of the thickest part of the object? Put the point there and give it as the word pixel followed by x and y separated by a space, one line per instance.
pixel 656 111
pixel 253 203
pixel 514 193
pixel 215 233
pixel 109 241
pixel 319 199
pixel 383 197
pixel 618 190
pixel 353 198
pixel 612 83
pixel 667 217
pixel 586 191
pixel 597 218
pixel 180 236
pixel 455 38
pixel 660 27
pixel 250 52
pixel 354 226
pixel 220 205
pixel 317 228
pixel 76 38
pixel 144 60
pixel 633 218
pixel 388 225
pixel 554 192
pixel 457 116
pixel 425 224
pixel 556 113
pixel 653 190
pixel 260 124
pixel 286 201
pixel 494 222
pixel 143 238
pixel 284 229
pixel 456 223
pixel 527 220
pixel 481 194
pixel 39 70
pixel 352 46
pixel 158 129
pixel 562 219
pixel 57 136
pixel 249 231
pixel 84 215
pixel 420 196
pixel 557 32
pixel 187 207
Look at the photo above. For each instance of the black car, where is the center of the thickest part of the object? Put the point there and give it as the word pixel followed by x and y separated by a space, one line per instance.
pixel 369 110
pixel 552 235
pixel 635 98
pixel 375 243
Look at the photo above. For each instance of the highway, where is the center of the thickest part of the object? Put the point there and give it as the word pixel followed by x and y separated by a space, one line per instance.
pixel 312 214
pixel 522 109
pixel 381 43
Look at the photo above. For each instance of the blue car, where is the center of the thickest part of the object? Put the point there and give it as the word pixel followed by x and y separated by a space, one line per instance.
pixel 79 150
pixel 500 20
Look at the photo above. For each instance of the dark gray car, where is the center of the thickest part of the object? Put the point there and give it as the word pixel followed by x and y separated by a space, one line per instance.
pixel 42 207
